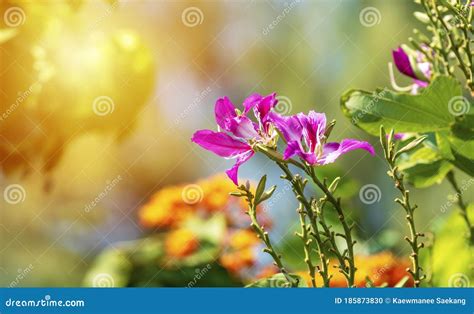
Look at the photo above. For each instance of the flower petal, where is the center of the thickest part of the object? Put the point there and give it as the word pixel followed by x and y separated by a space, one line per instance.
pixel 251 101
pixel 220 143
pixel 314 126
pixel 402 62
pixel 290 127
pixel 232 173
pixel 292 148
pixel 332 151
pixel 263 107
pixel 224 110
pixel 242 127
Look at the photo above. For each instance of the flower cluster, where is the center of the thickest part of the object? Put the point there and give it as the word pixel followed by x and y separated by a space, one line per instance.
pixel 306 147
pixel 239 137
pixel 169 212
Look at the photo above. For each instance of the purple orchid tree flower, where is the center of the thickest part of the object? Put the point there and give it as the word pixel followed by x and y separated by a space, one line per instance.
pixel 417 67
pixel 237 133
pixel 305 137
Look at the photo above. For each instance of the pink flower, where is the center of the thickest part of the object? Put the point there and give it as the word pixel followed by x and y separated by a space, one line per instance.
pixel 413 65
pixel 237 132
pixel 305 137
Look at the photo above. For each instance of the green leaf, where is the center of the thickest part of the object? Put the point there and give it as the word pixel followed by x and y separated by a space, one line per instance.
pixel 260 188
pixel 424 167
pixel 464 164
pixel 267 194
pixel 426 112
pixel 452 255
pixel 462 136
pixel 425 175
pixel 411 145
pixel 443 145
pixel 276 281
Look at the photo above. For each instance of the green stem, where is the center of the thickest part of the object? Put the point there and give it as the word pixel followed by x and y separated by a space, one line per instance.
pixel 391 155
pixel 263 235
pixel 299 192
pixel 455 48
pixel 331 236
pixel 442 50
pixel 462 206
pixel 304 235
pixel 336 202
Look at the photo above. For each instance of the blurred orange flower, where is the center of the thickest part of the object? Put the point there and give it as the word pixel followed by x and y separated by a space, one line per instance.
pixel 242 239
pixel 238 260
pixel 165 209
pixel 181 243
pixel 170 208
pixel 172 205
pixel 382 269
